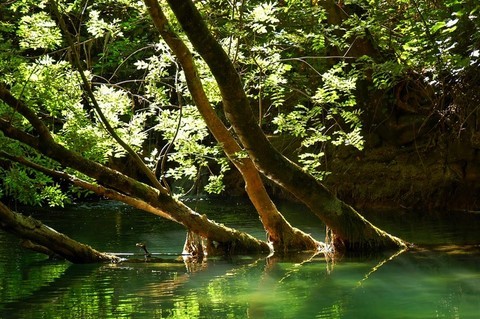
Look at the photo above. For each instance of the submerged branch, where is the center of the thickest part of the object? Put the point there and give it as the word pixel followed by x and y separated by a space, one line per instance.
pixel 380 264
pixel 42 235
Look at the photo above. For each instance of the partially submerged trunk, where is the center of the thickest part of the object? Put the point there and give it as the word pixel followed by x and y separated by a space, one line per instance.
pixel 146 197
pixel 351 230
pixel 43 239
pixel 282 235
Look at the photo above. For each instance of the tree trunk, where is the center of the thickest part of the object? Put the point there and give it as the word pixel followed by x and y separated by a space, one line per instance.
pixel 202 227
pixel 228 239
pixel 352 231
pixel 281 234
pixel 41 237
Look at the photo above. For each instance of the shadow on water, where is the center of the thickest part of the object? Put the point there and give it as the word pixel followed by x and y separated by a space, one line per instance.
pixel 434 280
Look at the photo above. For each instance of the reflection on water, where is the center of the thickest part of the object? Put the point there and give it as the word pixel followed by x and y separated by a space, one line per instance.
pixel 436 282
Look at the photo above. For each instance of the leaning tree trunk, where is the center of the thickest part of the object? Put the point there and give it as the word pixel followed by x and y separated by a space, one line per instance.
pixel 282 235
pixel 219 239
pixel 42 238
pixel 351 230
pixel 225 240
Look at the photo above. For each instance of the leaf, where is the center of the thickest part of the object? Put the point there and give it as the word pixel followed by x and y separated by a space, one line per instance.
pixel 39 31
pixel 437 26
pixel 451 23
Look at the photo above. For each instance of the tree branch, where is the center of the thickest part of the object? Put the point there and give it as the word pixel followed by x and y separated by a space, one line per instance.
pixel 97 189
pixel 24 110
pixel 33 230
pixel 138 161
pixel 229 239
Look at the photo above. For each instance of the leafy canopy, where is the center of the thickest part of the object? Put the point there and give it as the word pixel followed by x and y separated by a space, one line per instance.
pixel 287 54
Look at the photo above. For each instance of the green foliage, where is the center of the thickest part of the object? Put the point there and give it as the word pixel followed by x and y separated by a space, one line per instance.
pixel 312 163
pixel 54 196
pixel 98 27
pixel 192 152
pixel 117 107
pixel 280 50
pixel 49 86
pixel 156 68
pixel 264 39
pixel 9 54
pixel 26 185
pixel 54 89
pixel 425 36
pixel 32 188
pixel 262 17
pixel 39 31
pixel 332 118
pixel 273 45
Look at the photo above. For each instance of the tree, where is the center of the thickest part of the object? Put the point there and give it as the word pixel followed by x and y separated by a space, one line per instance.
pixel 350 229
pixel 53 117
pixel 281 234
pixel 134 192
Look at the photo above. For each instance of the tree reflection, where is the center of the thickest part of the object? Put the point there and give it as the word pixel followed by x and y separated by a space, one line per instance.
pixel 295 286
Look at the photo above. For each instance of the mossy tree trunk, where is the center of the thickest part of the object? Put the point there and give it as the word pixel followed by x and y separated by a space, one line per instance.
pixel 42 238
pixel 351 230
pixel 282 235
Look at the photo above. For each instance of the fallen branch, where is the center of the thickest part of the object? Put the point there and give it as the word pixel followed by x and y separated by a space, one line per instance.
pixel 31 229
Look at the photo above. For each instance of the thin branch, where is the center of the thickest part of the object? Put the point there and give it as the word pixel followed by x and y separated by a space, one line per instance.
pixel 177 129
pixel 319 57
pixel 380 264
pixel 138 161
pixel 97 189
pixel 128 57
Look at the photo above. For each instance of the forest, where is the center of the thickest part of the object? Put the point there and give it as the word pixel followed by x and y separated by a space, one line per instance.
pixel 340 106
pixel 239 159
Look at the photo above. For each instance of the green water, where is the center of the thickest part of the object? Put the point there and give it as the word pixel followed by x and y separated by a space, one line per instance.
pixel 442 281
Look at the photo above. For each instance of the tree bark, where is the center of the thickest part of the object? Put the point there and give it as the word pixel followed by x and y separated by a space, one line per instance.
pixel 225 239
pixel 281 234
pixel 352 231
pixel 49 239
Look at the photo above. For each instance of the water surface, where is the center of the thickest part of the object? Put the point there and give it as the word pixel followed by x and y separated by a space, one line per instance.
pixel 441 279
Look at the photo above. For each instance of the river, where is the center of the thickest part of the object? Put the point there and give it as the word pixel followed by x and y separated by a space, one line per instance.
pixel 438 279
